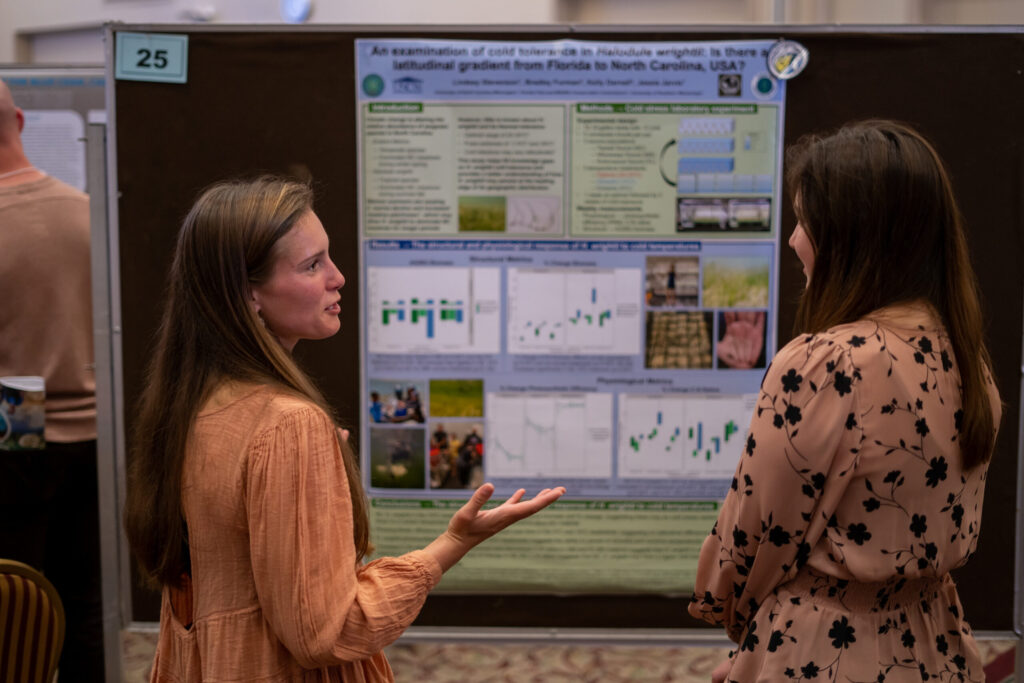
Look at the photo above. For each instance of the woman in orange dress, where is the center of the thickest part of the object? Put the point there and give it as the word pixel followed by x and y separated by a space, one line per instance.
pixel 862 481
pixel 244 500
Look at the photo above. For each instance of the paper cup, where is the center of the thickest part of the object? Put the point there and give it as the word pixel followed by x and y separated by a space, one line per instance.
pixel 22 413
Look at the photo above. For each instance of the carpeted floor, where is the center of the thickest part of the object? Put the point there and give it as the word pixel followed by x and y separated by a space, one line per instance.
pixel 502 663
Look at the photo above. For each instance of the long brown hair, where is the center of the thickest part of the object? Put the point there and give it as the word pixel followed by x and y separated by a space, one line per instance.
pixel 877 205
pixel 209 334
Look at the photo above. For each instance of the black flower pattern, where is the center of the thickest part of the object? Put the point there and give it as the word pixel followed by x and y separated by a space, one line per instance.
pixel 842 634
pixel 867 472
pixel 936 471
pixel 957 515
pixel 791 381
pixel 908 639
pixel 809 670
pixel 843 383
pixel 919 525
pixel 858 533
pixel 802 554
pixel 778 536
pixel 751 641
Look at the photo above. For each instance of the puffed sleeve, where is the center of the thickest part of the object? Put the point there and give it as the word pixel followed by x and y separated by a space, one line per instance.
pixel 320 605
pixel 802 441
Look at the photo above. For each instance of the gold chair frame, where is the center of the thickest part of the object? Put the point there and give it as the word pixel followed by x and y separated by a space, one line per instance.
pixel 46 658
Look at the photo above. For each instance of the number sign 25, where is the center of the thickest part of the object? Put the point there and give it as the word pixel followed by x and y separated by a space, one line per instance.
pixel 148 58
pixel 161 57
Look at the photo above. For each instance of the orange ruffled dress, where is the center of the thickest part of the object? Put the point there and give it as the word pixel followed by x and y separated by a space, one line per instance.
pixel 276 592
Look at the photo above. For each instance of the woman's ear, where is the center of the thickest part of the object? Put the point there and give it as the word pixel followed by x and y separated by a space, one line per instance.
pixel 254 304
pixel 254 300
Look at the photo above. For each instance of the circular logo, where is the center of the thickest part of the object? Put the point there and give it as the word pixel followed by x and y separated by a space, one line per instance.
pixel 373 85
pixel 787 58
pixel 763 86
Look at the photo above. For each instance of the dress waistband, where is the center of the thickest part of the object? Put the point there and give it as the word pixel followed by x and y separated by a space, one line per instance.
pixel 866 596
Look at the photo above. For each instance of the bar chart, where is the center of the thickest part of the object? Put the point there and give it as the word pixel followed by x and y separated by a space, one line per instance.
pixel 678 435
pixel 433 310
pixel 574 311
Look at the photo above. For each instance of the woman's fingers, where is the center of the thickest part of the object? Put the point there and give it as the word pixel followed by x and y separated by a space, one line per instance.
pixel 516 497
pixel 472 525
pixel 515 503
pixel 477 500
pixel 544 498
pixel 516 509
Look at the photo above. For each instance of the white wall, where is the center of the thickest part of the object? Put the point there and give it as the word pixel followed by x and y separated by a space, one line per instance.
pixel 670 12
pixel 975 12
pixel 45 24
pixel 795 11
pixel 69 31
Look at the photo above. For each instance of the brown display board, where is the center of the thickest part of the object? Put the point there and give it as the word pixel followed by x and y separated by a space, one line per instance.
pixel 271 100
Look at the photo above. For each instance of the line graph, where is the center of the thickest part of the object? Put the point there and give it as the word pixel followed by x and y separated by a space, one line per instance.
pixel 549 434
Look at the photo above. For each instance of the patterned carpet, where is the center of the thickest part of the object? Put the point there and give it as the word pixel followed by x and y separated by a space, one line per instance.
pixel 501 663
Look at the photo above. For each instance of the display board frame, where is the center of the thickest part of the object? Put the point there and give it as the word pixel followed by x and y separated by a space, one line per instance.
pixel 868 49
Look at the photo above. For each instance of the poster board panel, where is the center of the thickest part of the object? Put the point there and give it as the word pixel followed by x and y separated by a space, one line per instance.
pixel 174 139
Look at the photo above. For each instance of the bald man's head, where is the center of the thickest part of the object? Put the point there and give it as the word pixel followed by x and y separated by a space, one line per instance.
pixel 10 116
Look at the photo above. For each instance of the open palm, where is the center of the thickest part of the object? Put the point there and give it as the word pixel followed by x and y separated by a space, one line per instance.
pixel 472 524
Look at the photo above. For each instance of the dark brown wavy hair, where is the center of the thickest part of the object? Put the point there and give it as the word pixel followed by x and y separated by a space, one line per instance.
pixel 209 334
pixel 877 204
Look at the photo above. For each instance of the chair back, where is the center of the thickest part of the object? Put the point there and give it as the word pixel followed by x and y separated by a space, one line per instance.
pixel 31 625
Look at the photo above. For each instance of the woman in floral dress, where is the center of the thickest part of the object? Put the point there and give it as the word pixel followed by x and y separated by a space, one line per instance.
pixel 861 484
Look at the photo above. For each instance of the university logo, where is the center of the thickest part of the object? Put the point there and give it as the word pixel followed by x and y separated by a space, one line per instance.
pixel 373 85
pixel 730 85
pixel 408 86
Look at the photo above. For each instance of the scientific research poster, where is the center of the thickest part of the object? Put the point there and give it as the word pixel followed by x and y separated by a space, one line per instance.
pixel 569 255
